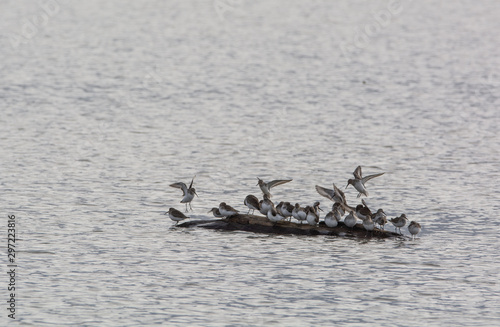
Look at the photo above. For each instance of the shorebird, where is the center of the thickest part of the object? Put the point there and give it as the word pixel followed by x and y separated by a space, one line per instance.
pixel 380 218
pixel 252 203
pixel 350 219
pixel 265 205
pixel 399 222
pixel 286 209
pixel 187 193
pixel 274 216
pixel 216 212
pixel 266 187
pixel 414 228
pixel 368 224
pixel 331 219
pixel 299 213
pixel 339 209
pixel 362 210
pixel 227 210
pixel 336 195
pixel 359 181
pixel 312 216
pixel 176 215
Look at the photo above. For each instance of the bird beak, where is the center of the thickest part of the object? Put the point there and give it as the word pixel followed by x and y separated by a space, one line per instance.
pixel 196 194
pixel 320 209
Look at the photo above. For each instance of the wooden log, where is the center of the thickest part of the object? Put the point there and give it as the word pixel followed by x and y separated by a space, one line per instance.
pixel 260 224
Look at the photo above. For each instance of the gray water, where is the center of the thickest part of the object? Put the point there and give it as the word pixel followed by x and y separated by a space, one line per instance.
pixel 104 104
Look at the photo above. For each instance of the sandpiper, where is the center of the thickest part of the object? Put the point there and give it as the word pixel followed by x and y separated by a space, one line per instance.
pixel 252 203
pixel 338 209
pixel 299 213
pixel 227 210
pixel 399 222
pixel 216 212
pixel 331 219
pixel 286 210
pixel 362 210
pixel 266 187
pixel 350 219
pixel 368 224
pixel 187 193
pixel 176 215
pixel 359 181
pixel 336 195
pixel 274 216
pixel 380 218
pixel 265 205
pixel 312 216
pixel 414 228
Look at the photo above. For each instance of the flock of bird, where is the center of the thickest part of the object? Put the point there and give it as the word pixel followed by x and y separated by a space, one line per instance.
pixel 308 214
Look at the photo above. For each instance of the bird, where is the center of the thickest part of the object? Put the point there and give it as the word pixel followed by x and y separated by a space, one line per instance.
pixel 362 210
pixel 216 212
pixel 399 222
pixel 312 216
pixel 350 219
pixel 331 219
pixel 337 208
pixel 176 215
pixel 359 181
pixel 265 205
pixel 380 218
pixel 286 210
pixel 274 216
pixel 414 228
pixel 336 195
pixel 227 210
pixel 368 224
pixel 252 203
pixel 299 213
pixel 187 193
pixel 266 187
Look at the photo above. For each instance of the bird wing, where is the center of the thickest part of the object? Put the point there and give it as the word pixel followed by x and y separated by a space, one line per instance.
pixel 327 193
pixel 357 173
pixel 180 185
pixel 277 182
pixel 367 178
pixel 191 185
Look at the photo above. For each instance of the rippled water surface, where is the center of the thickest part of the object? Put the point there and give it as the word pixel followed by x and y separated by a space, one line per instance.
pixel 104 104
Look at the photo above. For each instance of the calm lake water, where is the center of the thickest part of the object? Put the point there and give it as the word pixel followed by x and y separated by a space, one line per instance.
pixel 104 104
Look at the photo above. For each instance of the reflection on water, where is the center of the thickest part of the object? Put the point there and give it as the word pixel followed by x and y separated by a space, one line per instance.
pixel 110 103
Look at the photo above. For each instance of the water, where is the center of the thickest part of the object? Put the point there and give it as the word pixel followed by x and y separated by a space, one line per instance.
pixel 105 104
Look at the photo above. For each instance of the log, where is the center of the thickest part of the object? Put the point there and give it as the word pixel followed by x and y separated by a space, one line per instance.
pixel 260 224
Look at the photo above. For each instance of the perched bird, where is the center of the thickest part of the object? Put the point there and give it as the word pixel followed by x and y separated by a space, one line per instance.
pixel 312 216
pixel 187 193
pixel 227 210
pixel 368 224
pixel 252 203
pixel 176 215
pixel 299 213
pixel 350 220
pixel 286 209
pixel 380 218
pixel 339 209
pixel 362 210
pixel 274 216
pixel 266 187
pixel 359 181
pixel 332 219
pixel 399 222
pixel 216 212
pixel 265 205
pixel 414 228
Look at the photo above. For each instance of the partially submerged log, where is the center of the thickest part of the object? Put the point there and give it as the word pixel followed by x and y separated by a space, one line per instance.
pixel 260 224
